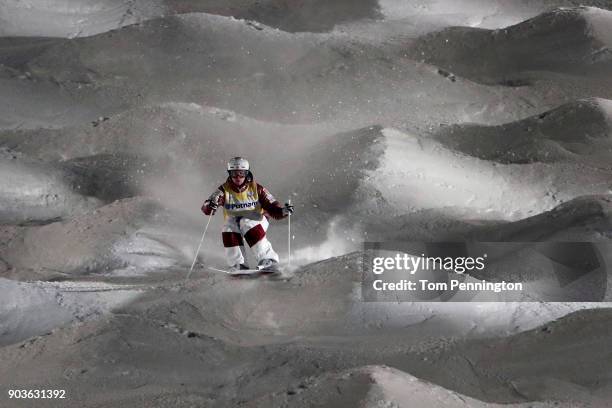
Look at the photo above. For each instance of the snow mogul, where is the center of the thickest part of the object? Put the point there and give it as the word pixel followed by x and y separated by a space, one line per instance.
pixel 246 208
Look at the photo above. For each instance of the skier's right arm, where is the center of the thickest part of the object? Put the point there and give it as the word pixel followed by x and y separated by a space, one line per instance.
pixel 213 202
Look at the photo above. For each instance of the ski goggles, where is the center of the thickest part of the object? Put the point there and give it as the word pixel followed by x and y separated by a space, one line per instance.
pixel 238 173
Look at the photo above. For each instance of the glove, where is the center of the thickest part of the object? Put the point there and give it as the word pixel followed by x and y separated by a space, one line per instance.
pixel 287 210
pixel 212 203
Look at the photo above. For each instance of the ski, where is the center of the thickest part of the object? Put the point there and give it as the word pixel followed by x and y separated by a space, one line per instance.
pixel 249 272
pixel 237 272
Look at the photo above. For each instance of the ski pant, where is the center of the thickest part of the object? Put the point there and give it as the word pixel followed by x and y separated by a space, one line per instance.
pixel 254 233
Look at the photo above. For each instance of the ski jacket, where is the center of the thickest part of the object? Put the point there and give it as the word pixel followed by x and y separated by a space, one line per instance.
pixel 251 200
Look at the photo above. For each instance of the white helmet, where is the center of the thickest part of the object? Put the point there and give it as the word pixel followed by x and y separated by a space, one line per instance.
pixel 238 163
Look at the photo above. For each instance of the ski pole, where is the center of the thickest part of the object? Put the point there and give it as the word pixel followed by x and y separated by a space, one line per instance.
pixel 289 237
pixel 199 246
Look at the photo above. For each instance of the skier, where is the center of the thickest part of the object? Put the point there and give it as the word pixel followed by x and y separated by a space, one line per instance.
pixel 246 207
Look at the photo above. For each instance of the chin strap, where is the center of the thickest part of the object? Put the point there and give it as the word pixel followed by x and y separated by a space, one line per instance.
pixel 247 181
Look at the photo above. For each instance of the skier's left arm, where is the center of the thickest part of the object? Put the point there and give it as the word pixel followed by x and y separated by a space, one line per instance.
pixel 271 205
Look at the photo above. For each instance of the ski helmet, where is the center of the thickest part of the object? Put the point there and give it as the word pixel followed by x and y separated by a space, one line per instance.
pixel 238 163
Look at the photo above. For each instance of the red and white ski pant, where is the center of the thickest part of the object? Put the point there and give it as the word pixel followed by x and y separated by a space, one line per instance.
pixel 254 233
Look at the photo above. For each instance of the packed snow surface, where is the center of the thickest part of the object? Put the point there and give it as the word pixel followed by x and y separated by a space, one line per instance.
pixel 485 121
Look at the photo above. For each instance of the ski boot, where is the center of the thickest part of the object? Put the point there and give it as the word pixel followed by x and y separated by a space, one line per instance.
pixel 268 266
pixel 240 267
pixel 243 271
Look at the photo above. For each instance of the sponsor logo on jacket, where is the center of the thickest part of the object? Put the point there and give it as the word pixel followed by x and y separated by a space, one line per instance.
pixel 238 206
